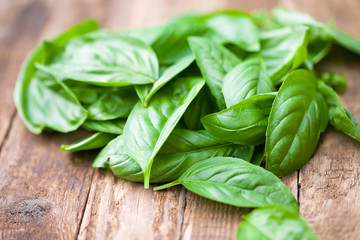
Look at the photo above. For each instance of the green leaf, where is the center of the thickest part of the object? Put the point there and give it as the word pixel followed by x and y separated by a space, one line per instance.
pixel 146 92
pixel 112 104
pixel 345 40
pixel 283 50
pixel 339 117
pixel 298 115
pixel 106 59
pixel 235 182
pixel 172 44
pixel 31 83
pixel 274 222
pixel 147 128
pixel 51 104
pixel 245 80
pixel 235 27
pixel 115 126
pixel 214 62
pixel 226 26
pixel 320 38
pixel 182 149
pixel 95 141
pixel 243 123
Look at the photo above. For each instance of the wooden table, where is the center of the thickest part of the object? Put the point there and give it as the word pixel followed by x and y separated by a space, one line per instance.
pixel 49 194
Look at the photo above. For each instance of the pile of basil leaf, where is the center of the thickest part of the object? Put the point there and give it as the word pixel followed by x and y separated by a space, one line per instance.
pixel 223 103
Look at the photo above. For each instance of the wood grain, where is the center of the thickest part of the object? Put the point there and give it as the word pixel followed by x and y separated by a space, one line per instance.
pixel 48 194
pixel 42 190
pixel 117 209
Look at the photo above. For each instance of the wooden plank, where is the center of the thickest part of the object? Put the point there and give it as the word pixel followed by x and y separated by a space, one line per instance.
pixel 117 209
pixel 43 191
pixel 206 219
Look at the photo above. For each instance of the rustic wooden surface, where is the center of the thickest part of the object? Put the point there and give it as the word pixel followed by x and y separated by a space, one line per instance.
pixel 48 194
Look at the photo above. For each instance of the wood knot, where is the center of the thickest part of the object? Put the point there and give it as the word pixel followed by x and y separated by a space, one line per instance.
pixel 28 209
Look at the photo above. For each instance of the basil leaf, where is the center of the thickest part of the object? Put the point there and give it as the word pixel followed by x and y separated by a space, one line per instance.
pixel 172 44
pixel 235 182
pixel 112 104
pixel 245 80
pixel 95 141
pixel 146 92
pixel 214 62
pixel 229 26
pixel 235 27
pixel 274 222
pixel 147 35
pixel 345 40
pixel 339 117
pixel 243 123
pixel 31 84
pixel 147 128
pixel 182 149
pixel 106 59
pixel 320 38
pixel 115 126
pixel 283 50
pixel 298 115
pixel 52 105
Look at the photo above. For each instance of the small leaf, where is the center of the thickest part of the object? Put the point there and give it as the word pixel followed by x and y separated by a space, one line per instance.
pixel 339 117
pixel 95 141
pixel 235 27
pixel 243 123
pixel 235 182
pixel 298 115
pixel 274 222
pixel 106 59
pixel 283 50
pixel 245 80
pixel 115 126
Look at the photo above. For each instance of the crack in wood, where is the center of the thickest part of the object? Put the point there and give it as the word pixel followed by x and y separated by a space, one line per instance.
pixel 6 136
pixel 85 205
pixel 182 214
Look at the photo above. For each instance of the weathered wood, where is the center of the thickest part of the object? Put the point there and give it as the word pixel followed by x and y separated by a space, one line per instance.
pixel 42 190
pixel 117 209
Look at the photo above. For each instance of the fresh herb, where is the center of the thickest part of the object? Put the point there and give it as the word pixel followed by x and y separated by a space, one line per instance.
pixel 205 101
